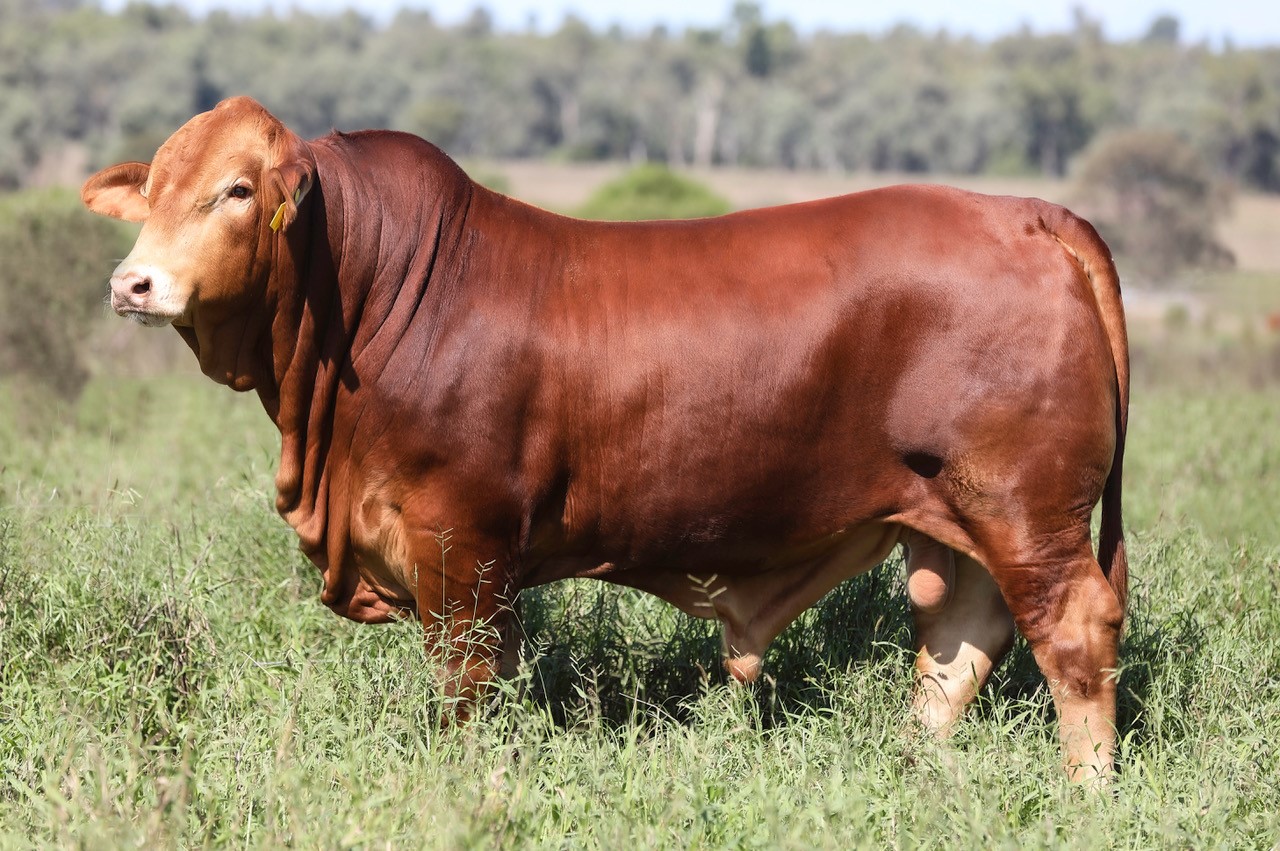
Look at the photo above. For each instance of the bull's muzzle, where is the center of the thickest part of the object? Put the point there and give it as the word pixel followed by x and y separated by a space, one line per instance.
pixel 141 294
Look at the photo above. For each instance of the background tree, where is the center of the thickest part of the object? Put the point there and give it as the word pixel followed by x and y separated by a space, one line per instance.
pixel 84 86
pixel 1153 198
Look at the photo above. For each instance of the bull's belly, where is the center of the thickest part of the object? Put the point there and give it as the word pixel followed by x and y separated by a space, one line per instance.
pixel 737 582
pixel 730 578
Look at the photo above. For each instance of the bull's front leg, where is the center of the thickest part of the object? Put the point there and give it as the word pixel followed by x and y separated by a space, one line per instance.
pixel 464 596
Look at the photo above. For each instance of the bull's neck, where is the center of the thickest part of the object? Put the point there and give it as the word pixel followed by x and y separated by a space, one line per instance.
pixel 372 247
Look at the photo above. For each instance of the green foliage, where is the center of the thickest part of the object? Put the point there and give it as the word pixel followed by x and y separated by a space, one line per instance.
pixel 652 192
pixel 1198 452
pixel 55 257
pixel 751 91
pixel 437 119
pixel 1053 91
pixel 1242 117
pixel 169 677
pixel 1154 199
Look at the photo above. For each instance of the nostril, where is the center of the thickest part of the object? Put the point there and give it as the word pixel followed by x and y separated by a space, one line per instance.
pixel 141 287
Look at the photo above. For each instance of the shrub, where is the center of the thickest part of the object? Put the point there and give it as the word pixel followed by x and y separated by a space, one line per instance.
pixel 653 192
pixel 1153 198
pixel 55 258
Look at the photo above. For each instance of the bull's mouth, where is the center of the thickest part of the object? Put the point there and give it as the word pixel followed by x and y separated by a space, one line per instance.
pixel 145 317
pixel 143 311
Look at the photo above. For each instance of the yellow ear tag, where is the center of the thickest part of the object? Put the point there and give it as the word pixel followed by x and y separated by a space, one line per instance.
pixel 278 218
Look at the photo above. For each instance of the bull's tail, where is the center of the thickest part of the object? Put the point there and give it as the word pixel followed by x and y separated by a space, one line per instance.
pixel 1083 243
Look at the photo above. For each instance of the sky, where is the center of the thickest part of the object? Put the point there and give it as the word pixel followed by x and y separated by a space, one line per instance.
pixel 1244 22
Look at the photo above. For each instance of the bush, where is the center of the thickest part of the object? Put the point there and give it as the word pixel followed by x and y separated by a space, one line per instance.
pixel 653 192
pixel 1153 198
pixel 55 258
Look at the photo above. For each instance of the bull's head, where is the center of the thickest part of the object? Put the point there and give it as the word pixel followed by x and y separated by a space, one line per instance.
pixel 212 200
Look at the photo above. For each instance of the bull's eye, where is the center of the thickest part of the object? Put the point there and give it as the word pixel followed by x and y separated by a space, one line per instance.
pixel 241 191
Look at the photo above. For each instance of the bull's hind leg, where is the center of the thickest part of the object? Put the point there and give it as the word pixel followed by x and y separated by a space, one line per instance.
pixel 963 630
pixel 1070 616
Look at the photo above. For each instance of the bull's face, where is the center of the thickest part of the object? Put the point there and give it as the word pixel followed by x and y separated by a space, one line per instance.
pixel 211 202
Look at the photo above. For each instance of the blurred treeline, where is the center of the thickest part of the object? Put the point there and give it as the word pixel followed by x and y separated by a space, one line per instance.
pixel 1155 134
pixel 83 87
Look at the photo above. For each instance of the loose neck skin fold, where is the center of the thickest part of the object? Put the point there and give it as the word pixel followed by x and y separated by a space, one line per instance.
pixel 370 250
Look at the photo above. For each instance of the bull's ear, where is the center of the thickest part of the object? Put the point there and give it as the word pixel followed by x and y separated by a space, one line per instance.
pixel 117 192
pixel 292 181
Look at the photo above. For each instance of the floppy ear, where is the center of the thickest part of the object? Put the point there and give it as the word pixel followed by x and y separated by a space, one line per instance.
pixel 292 181
pixel 117 192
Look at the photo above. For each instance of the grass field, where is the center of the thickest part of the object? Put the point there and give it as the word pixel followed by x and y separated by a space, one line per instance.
pixel 168 676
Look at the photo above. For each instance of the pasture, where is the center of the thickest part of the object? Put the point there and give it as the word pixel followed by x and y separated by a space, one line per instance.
pixel 168 676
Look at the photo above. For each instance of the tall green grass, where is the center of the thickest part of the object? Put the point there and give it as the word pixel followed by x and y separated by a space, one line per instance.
pixel 168 676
